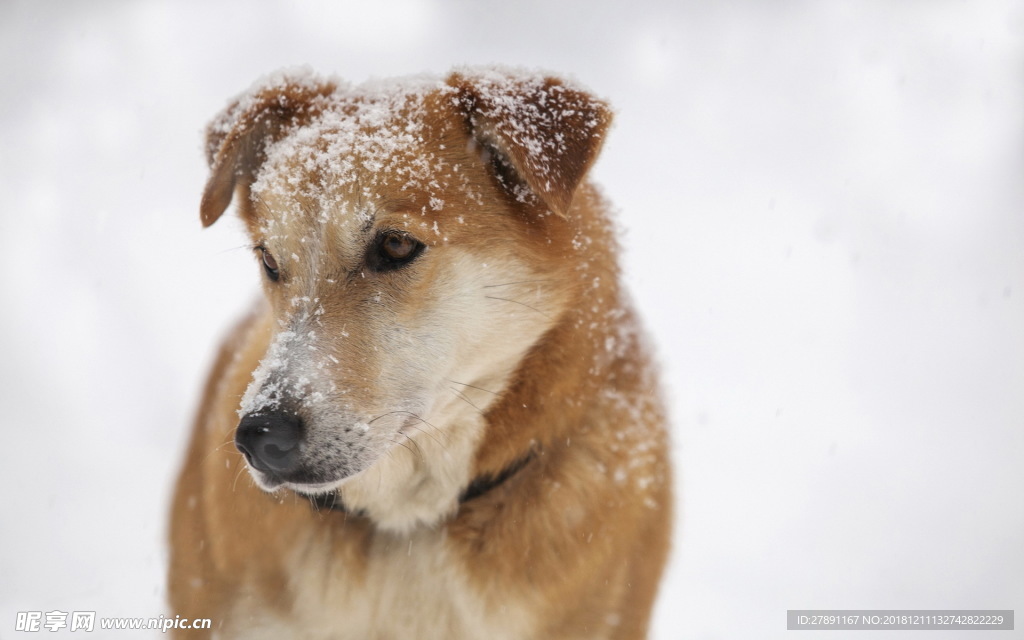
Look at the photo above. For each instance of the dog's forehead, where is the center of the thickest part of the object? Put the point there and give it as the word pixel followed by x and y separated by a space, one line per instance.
pixel 361 151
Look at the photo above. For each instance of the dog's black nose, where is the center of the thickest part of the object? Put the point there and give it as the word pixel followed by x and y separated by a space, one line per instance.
pixel 270 441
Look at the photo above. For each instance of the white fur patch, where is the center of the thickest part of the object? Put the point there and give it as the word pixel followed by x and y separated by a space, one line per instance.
pixel 412 590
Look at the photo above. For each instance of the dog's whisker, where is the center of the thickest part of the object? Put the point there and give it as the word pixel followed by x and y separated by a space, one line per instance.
pixel 426 433
pixel 509 284
pixel 442 433
pixel 247 247
pixel 218 448
pixel 389 413
pixel 234 484
pixel 401 443
pixel 473 387
pixel 520 303
pixel 465 399
pixel 408 413
pixel 419 450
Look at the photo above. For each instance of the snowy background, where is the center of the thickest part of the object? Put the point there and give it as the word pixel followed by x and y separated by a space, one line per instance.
pixel 823 204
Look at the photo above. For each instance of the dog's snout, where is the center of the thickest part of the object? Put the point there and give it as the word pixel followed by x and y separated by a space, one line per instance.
pixel 270 441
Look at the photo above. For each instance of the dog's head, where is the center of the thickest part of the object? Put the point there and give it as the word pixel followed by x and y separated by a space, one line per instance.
pixel 414 240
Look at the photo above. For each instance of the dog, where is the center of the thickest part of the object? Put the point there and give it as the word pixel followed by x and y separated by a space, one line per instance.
pixel 442 419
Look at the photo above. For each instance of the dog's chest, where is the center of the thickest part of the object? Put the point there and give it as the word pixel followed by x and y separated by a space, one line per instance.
pixel 412 587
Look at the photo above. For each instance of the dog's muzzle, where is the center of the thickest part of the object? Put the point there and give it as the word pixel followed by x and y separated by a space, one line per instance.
pixel 270 442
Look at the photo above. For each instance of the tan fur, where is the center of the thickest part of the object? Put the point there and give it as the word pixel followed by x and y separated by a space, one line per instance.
pixel 507 339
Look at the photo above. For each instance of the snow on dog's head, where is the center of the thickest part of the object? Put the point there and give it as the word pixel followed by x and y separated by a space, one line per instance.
pixel 413 235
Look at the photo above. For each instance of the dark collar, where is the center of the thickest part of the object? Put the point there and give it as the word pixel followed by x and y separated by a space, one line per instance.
pixel 481 485
pixel 485 483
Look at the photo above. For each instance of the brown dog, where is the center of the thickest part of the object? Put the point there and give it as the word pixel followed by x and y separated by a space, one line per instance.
pixel 450 421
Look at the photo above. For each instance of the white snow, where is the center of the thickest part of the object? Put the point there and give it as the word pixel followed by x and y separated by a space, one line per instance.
pixel 356 130
pixel 822 204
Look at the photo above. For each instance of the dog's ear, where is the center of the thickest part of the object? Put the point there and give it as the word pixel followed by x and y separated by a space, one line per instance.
pixel 549 132
pixel 237 139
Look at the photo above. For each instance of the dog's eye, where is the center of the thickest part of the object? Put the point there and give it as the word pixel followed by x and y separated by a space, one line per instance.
pixel 269 264
pixel 392 250
pixel 397 246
